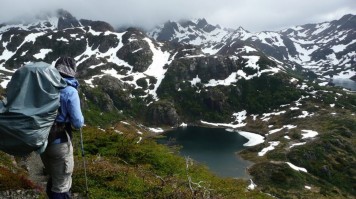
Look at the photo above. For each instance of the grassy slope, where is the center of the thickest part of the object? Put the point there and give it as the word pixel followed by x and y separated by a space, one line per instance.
pixel 328 158
pixel 119 167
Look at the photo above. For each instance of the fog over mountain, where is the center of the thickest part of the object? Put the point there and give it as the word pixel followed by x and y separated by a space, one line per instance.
pixel 276 87
pixel 253 15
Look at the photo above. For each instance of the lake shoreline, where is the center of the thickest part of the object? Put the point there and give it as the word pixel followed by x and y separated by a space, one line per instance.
pixel 253 139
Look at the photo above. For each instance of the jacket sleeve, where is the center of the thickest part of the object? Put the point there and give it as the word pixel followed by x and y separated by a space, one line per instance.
pixel 75 113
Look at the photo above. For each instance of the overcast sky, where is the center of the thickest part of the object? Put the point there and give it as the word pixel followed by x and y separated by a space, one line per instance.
pixel 253 15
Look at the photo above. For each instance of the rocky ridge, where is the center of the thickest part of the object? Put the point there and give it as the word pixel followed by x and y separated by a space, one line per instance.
pixel 325 48
pixel 198 72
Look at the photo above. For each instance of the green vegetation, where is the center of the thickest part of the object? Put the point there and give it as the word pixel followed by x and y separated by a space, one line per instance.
pixel 332 157
pixel 329 158
pixel 282 181
pixel 12 176
pixel 121 167
pixel 258 95
pixel 98 111
pixel 265 93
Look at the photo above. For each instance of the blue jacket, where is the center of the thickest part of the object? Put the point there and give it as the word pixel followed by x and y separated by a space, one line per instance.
pixel 70 105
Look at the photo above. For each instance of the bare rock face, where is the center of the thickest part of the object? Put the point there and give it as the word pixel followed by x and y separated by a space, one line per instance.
pixel 162 113
pixel 136 52
pixel 115 90
pixel 215 100
pixel 99 26
pixel 66 20
pixel 102 100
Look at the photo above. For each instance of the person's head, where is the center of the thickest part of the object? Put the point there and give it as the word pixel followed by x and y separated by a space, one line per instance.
pixel 66 66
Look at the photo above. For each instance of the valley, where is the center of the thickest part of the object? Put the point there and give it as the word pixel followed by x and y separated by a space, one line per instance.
pixel 272 87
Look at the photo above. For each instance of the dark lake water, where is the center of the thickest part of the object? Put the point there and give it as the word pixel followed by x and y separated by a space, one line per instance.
pixel 345 83
pixel 214 147
pixel 217 148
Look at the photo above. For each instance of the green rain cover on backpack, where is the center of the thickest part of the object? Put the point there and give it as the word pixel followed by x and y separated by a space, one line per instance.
pixel 30 108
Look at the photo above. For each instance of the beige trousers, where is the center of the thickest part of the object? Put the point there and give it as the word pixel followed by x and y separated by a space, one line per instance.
pixel 59 163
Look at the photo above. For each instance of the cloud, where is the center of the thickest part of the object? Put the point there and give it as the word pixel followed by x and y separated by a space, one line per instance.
pixel 253 15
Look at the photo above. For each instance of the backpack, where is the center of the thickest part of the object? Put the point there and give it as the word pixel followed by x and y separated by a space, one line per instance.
pixel 30 108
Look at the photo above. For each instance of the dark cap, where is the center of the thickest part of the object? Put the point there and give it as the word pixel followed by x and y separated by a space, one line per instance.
pixel 66 66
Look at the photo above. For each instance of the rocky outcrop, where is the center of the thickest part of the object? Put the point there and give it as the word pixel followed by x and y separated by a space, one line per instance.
pixel 99 26
pixel 115 90
pixel 162 113
pixel 66 20
pixel 100 99
pixel 215 100
pixel 102 42
pixel 206 68
pixel 136 51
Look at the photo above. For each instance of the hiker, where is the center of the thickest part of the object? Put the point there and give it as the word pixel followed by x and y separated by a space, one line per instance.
pixel 58 156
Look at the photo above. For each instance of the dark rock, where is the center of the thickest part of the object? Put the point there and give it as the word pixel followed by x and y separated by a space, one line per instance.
pixel 66 20
pixel 215 100
pixel 346 22
pixel 162 113
pixel 100 99
pixel 325 169
pixel 116 91
pixel 82 68
pixel 137 52
pixel 99 26
pixel 168 31
pixel 103 42
pixel 187 50
pixel 353 78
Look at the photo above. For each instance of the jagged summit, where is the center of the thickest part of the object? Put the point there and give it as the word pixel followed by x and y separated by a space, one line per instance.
pixel 64 14
pixel 66 20
pixel 346 22
pixel 195 32
pixel 325 48
pixel 59 19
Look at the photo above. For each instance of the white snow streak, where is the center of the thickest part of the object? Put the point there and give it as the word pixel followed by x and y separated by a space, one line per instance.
pixel 269 148
pixel 309 134
pixel 253 138
pixel 297 168
pixel 42 54
pixel 160 59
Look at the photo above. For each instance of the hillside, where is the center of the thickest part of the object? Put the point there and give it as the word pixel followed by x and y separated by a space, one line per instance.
pixel 325 48
pixel 271 84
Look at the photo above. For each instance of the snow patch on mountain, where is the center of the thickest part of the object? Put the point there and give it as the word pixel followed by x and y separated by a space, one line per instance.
pixel 309 134
pixel 253 138
pixel 156 69
pixel 323 48
pixel 271 147
pixel 7 54
pixel 42 54
pixel 296 167
pixel 50 23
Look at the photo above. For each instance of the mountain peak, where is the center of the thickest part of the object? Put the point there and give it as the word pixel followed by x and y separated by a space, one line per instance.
pixel 64 14
pixel 347 21
pixel 241 29
pixel 201 23
pixel 66 20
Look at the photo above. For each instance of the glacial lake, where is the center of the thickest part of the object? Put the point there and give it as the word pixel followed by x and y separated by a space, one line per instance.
pixel 217 148
pixel 214 147
pixel 345 83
